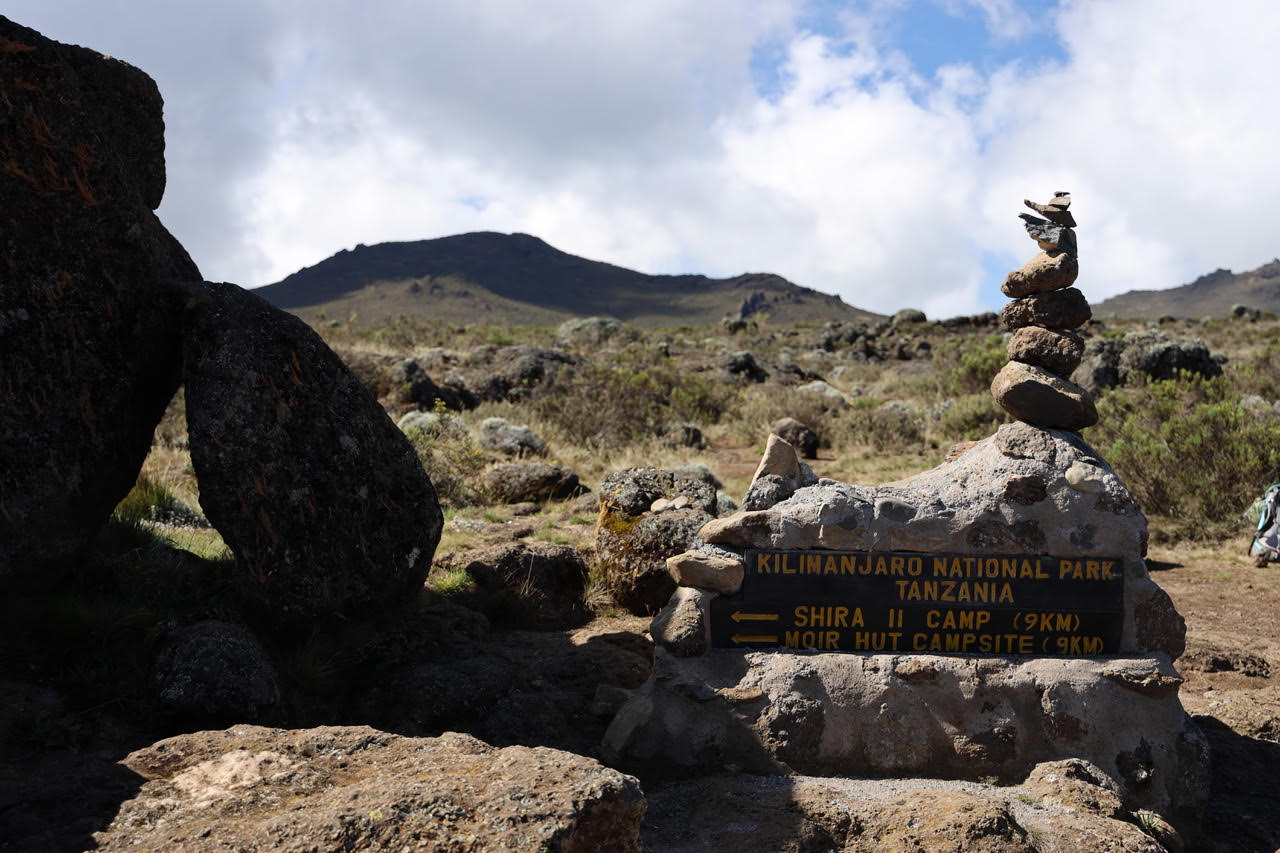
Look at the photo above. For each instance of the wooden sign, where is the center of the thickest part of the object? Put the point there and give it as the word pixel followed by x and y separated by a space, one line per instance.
pixel 997 604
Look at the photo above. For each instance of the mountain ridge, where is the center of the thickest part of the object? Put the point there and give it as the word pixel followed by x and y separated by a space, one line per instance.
pixel 487 276
pixel 1213 294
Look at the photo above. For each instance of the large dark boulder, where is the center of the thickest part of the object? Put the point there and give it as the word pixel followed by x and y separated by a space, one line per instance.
pixel 1109 362
pixel 89 343
pixel 320 496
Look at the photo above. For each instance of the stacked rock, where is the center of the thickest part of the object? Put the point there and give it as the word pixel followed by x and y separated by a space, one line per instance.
pixel 1034 386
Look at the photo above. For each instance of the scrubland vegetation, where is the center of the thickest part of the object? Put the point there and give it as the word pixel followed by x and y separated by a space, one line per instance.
pixel 1195 451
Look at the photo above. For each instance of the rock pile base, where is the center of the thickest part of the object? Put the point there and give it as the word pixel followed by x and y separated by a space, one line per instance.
pixel 759 696
pixel 826 714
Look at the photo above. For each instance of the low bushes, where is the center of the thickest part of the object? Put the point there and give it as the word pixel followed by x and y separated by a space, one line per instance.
pixel 1186 448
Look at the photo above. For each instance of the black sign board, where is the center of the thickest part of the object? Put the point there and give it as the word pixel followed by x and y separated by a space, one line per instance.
pixel 924 603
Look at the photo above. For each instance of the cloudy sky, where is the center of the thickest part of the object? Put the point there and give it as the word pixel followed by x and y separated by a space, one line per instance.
pixel 877 149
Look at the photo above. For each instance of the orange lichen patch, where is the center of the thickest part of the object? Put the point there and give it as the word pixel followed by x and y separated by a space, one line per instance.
pixel 40 131
pixel 11 46
pixel 11 166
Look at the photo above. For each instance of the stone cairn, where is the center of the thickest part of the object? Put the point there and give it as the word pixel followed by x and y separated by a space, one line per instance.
pixel 1034 386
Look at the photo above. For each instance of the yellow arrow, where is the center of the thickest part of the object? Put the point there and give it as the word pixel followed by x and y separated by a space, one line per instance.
pixel 739 616
pixel 764 638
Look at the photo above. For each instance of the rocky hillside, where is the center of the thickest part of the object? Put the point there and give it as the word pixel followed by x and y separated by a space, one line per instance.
pixel 1212 295
pixel 517 278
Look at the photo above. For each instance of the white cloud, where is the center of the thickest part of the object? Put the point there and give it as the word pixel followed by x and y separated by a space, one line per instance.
pixel 633 134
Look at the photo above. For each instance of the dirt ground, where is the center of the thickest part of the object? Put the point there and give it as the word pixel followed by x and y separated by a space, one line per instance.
pixel 1231 666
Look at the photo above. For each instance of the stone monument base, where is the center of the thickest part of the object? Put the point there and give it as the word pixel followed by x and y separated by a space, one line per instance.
pixel 990 719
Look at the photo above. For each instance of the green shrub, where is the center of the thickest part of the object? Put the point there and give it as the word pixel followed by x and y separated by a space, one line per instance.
pixel 1185 448
pixel 760 407
pixel 1259 374
pixel 147 500
pixel 611 405
pixel 890 427
pixel 452 461
pixel 970 363
pixel 969 417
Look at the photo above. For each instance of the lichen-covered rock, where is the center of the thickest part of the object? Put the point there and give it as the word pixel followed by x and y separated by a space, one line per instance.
pixel 498 435
pixel 1056 350
pixel 682 434
pixel 824 391
pixel 633 541
pixel 218 670
pixel 1045 272
pixel 495 373
pixel 632 553
pixel 796 434
pixel 632 491
pixel 587 330
pixel 319 495
pixel 1058 309
pixel 907 316
pixel 1041 398
pixel 1109 362
pixel 744 364
pixel 356 788
pixel 519 482
pixel 90 346
pixel 416 386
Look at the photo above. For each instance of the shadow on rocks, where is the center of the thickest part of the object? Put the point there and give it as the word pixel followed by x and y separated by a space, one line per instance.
pixel 53 803
pixel 528 688
pixel 1243 814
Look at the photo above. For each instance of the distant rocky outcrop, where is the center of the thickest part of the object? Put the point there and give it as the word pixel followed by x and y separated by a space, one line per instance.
pixel 521 280
pixel 356 788
pixel 500 436
pixel 89 350
pixel 1108 362
pixel 1215 294
pixel 522 482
